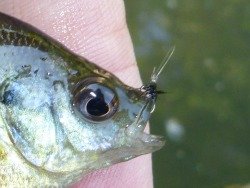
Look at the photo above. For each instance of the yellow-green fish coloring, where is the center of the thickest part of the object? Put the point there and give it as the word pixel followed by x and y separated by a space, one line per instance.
pixel 62 116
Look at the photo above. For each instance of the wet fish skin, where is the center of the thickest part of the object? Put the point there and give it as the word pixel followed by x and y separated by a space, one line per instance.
pixel 46 138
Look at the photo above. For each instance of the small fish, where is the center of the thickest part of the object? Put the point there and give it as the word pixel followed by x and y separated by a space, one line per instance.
pixel 62 116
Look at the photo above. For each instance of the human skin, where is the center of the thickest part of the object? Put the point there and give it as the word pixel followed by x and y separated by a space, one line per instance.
pixel 97 30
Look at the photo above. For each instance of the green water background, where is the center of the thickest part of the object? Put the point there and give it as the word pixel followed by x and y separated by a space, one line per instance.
pixel 205 115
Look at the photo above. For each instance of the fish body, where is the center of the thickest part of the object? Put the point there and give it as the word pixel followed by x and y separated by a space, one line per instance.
pixel 62 116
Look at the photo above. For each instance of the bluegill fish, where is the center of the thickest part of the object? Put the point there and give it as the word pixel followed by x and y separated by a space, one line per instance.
pixel 62 116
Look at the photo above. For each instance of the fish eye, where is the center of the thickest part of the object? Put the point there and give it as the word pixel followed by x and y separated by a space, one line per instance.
pixel 95 101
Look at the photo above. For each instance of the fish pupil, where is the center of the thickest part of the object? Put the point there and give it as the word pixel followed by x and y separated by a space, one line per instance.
pixel 97 106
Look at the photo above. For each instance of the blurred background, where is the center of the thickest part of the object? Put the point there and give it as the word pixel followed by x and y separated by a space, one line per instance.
pixel 205 115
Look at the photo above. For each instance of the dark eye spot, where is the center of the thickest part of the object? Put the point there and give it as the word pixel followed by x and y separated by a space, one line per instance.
pixel 8 97
pixel 95 101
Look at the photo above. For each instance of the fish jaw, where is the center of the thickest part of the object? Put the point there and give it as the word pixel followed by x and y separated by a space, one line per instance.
pixel 135 141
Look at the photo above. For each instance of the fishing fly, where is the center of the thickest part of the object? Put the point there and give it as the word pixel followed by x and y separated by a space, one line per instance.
pixel 150 89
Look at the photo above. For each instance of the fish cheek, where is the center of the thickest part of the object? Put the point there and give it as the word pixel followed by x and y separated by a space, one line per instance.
pixel 29 120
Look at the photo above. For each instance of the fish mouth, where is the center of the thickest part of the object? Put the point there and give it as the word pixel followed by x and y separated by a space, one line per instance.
pixel 146 142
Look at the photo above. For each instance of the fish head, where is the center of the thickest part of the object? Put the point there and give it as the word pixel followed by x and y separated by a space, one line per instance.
pixel 85 122
pixel 63 116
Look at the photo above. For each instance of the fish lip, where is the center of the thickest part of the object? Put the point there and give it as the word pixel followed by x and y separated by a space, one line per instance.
pixel 143 143
pixel 155 141
pixel 137 135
